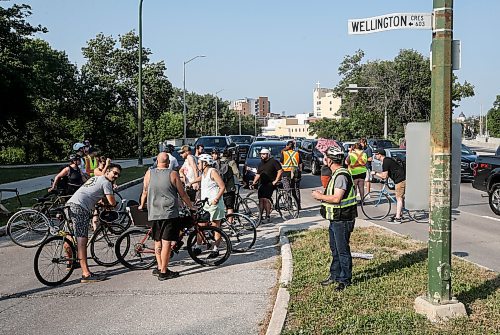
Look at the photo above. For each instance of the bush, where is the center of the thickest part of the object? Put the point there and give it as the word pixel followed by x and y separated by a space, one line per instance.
pixel 11 155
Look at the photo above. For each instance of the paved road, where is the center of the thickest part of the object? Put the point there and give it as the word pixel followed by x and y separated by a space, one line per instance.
pixel 40 183
pixel 232 299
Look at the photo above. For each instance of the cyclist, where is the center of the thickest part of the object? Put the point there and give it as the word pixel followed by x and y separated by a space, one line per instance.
pixel 102 166
pixel 338 205
pixel 212 188
pixel 81 205
pixel 369 154
pixel 91 161
pixel 229 171
pixel 391 169
pixel 162 188
pixel 189 171
pixel 79 149
pixel 70 178
pixel 269 174
pixel 198 150
pixel 356 164
pixel 173 163
pixel 292 170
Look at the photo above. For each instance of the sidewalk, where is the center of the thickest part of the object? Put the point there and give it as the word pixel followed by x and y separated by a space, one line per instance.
pixel 39 183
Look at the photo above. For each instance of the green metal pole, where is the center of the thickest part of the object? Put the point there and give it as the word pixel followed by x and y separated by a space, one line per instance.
pixel 439 288
pixel 139 89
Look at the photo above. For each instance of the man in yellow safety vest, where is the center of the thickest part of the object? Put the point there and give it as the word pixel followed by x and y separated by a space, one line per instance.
pixel 338 205
pixel 292 169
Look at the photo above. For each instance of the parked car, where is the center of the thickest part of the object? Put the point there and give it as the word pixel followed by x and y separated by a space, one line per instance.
pixel 381 144
pixel 243 142
pixel 467 162
pixel 253 157
pixel 219 142
pixel 347 145
pixel 260 138
pixel 487 179
pixel 311 158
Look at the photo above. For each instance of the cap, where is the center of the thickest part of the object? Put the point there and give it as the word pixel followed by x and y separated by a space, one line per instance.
pixel 77 146
pixel 380 151
pixel 184 148
pixel 264 151
pixel 292 143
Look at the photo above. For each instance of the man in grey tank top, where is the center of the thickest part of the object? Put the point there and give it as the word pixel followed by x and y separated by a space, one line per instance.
pixel 162 188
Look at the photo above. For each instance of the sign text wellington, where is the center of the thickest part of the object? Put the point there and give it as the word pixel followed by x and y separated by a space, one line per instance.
pixel 389 22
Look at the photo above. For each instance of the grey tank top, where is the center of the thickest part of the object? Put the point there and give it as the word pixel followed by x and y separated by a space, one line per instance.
pixel 163 199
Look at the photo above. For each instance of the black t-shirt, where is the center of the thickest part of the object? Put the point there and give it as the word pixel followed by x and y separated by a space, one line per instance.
pixel 268 170
pixel 396 171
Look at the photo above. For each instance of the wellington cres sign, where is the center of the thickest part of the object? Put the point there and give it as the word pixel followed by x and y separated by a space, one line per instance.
pixel 390 22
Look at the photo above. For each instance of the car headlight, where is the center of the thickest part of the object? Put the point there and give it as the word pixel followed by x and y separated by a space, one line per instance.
pixel 252 169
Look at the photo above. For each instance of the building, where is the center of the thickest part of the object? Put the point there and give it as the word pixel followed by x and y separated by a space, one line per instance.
pixel 326 103
pixel 297 126
pixel 250 106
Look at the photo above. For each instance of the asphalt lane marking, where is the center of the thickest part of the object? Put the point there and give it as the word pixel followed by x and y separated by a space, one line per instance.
pixel 481 216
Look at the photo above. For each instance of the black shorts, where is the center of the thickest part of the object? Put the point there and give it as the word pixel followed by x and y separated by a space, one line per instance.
pixel 167 230
pixel 229 199
pixel 359 176
pixel 191 192
pixel 266 191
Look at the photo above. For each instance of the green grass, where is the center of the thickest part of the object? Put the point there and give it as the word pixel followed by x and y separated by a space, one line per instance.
pixel 27 200
pixel 8 175
pixel 380 301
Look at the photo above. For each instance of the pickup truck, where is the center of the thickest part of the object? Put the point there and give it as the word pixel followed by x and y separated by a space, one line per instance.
pixel 487 179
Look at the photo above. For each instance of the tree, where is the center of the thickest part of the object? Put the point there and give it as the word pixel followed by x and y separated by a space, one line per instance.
pixel 493 117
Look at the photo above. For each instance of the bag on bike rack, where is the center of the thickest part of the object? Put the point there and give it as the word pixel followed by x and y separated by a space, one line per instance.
pixel 139 218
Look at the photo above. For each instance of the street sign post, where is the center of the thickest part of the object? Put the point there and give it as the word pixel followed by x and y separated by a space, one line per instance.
pixel 390 22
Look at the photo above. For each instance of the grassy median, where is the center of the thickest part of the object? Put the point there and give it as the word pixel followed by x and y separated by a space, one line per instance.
pixel 27 200
pixel 8 175
pixel 380 301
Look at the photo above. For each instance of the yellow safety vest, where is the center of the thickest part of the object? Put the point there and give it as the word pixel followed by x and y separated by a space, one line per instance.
pixel 348 200
pixel 357 162
pixel 92 164
pixel 290 160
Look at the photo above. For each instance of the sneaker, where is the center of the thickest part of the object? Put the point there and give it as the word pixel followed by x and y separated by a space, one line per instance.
pixel 341 287
pixel 395 220
pixel 197 251
pixel 213 254
pixel 328 281
pixel 168 275
pixel 156 272
pixel 92 278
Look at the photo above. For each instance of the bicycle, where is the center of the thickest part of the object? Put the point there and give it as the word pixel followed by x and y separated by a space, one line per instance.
pixel 241 231
pixel 135 247
pixel 376 205
pixel 56 258
pixel 28 228
pixel 284 203
pixel 248 207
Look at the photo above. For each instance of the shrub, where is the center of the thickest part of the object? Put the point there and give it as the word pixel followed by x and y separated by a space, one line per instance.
pixel 11 155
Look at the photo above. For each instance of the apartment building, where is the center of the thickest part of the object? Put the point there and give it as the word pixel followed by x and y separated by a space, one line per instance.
pixel 297 126
pixel 250 106
pixel 326 103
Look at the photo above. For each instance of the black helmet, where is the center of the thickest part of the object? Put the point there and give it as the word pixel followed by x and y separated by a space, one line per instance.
pixel 74 157
pixel 169 148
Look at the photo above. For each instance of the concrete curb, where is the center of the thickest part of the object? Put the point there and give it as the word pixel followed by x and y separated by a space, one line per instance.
pixel 3 230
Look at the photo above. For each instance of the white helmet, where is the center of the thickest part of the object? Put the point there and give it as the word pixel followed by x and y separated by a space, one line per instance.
pixel 265 151
pixel 77 146
pixel 335 152
pixel 206 158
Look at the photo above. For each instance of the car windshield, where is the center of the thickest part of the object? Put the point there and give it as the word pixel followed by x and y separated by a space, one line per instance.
pixel 217 142
pixel 274 148
pixel 399 154
pixel 241 139
pixel 466 150
pixel 382 144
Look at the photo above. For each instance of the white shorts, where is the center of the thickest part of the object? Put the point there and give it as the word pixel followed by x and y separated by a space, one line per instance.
pixel 368 174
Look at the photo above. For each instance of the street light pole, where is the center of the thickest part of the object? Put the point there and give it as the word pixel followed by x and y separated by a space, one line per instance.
pixel 216 118
pixel 239 120
pixel 184 94
pixel 139 90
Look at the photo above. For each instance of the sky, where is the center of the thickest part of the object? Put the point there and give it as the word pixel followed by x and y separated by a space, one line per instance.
pixel 274 48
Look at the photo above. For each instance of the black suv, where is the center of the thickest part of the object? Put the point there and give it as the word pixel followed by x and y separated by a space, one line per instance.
pixel 243 142
pixel 311 158
pixel 218 142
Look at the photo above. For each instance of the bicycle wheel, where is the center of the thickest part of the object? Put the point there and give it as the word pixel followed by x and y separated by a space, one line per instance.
pixel 287 206
pixel 55 260
pixel 376 205
pixel 241 231
pixel 28 228
pixel 250 208
pixel 419 215
pixel 201 253
pixel 135 249
pixel 102 244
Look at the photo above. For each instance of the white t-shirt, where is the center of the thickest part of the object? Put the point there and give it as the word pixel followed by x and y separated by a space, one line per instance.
pixel 173 162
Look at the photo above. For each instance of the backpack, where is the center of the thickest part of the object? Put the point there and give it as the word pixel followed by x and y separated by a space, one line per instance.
pixel 227 175
pixel 400 162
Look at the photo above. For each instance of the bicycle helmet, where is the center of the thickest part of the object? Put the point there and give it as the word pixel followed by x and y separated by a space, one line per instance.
pixel 78 146
pixel 73 157
pixel 335 152
pixel 206 158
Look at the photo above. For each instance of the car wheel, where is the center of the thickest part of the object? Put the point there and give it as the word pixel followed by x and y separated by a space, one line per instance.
pixel 494 199
pixel 314 168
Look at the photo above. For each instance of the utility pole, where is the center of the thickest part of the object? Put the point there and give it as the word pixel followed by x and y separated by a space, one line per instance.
pixel 216 117
pixel 239 121
pixel 439 263
pixel 139 90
